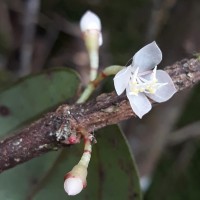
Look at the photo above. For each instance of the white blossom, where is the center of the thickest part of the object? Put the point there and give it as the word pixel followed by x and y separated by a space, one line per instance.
pixel 141 82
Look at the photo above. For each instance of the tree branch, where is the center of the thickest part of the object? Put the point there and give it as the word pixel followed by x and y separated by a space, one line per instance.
pixel 49 132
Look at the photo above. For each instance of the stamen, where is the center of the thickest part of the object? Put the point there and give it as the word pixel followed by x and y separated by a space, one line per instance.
pixel 140 84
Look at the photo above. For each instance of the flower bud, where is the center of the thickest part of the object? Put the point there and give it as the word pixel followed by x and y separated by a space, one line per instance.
pixel 90 21
pixel 90 25
pixel 75 180
pixel 73 186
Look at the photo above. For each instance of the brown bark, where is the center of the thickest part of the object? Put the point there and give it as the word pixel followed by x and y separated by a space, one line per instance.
pixel 48 132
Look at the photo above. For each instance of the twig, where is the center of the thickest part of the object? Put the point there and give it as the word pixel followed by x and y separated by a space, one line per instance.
pixel 48 132
pixel 29 26
pixel 159 15
pixel 184 134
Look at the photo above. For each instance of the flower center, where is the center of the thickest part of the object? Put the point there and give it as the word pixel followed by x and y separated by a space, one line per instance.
pixel 139 84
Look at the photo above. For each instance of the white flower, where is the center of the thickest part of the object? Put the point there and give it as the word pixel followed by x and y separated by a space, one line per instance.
pixel 140 81
pixel 90 22
pixel 73 186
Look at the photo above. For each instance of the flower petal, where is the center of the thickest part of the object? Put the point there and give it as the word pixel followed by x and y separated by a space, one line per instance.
pixel 147 57
pixel 140 103
pixel 121 79
pixel 165 92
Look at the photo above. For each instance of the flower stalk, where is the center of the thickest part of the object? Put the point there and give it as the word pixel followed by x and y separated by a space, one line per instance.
pixel 75 180
pixel 91 27
pixel 111 70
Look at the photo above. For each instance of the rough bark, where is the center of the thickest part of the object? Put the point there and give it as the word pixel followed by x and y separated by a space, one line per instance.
pixel 49 132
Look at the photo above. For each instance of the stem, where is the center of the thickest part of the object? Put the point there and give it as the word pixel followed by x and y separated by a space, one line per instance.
pixel 86 93
pixel 92 44
pixel 94 64
pixel 85 159
pixel 112 70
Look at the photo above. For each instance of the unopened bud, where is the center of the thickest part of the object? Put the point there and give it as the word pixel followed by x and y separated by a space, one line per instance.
pixel 90 25
pixel 73 186
pixel 75 180
pixel 90 21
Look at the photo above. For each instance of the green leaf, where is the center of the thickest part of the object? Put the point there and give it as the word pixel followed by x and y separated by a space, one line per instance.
pixel 112 172
pixel 25 100
pixel 6 78
pixel 34 95
pixel 17 183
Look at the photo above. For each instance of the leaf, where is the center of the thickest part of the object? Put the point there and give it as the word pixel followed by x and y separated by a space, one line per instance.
pixel 16 183
pixel 34 95
pixel 6 78
pixel 112 172
pixel 25 100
